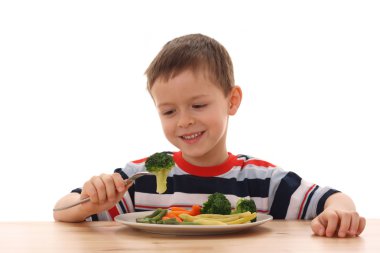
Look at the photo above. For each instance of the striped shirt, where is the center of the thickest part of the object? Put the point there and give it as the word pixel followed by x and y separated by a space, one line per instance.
pixel 277 192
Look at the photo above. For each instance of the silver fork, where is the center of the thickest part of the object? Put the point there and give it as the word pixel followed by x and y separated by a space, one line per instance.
pixel 126 182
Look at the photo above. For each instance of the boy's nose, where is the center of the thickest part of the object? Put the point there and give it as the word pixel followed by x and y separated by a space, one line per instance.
pixel 185 120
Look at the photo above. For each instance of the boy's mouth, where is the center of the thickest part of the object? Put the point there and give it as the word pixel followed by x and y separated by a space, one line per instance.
pixel 193 137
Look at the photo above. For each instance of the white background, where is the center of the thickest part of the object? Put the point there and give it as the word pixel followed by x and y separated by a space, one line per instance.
pixel 73 101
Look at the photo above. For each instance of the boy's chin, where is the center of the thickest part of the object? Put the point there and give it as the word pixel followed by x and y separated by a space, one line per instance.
pixel 193 154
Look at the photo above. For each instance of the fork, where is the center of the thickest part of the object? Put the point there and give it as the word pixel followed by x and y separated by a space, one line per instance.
pixel 126 182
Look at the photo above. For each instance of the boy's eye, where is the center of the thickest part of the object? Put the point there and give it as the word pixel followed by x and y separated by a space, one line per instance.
pixel 167 113
pixel 197 106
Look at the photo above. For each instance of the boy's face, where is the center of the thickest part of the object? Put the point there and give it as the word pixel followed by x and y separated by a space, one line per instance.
pixel 194 115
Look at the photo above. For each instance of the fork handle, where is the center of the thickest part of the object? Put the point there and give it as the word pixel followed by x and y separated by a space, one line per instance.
pixel 72 205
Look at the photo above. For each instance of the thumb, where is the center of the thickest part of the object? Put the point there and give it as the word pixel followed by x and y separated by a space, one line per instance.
pixel 318 226
pixel 121 192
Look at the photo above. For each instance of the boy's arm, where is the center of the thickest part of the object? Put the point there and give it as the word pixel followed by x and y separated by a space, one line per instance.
pixel 73 214
pixel 104 192
pixel 339 217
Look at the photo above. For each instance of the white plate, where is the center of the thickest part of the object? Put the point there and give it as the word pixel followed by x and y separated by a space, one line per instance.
pixel 129 219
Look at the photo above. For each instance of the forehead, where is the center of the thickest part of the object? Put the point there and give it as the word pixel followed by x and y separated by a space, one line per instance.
pixel 183 86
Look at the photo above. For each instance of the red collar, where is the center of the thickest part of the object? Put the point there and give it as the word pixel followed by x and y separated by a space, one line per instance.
pixel 210 171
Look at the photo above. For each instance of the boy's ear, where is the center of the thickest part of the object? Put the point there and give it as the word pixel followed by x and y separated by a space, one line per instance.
pixel 235 98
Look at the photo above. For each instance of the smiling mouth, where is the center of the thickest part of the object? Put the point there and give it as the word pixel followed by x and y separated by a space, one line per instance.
pixel 193 136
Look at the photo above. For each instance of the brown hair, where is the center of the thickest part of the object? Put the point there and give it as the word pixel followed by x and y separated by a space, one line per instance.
pixel 193 51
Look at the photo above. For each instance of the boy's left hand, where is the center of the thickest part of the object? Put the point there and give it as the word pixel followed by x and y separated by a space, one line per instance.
pixel 338 223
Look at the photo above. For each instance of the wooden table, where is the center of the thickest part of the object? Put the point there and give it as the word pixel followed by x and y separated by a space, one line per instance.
pixel 273 236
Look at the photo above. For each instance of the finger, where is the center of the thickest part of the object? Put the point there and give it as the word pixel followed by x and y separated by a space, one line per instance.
pixel 355 219
pixel 109 187
pixel 119 182
pixel 362 223
pixel 318 227
pixel 89 190
pixel 345 223
pixel 100 189
pixel 332 223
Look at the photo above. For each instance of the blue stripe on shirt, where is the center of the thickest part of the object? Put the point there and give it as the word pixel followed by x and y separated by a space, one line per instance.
pixel 207 185
pixel 285 190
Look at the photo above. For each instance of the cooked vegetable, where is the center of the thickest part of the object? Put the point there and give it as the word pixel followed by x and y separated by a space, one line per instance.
pixel 175 211
pixel 195 210
pixel 187 217
pixel 175 222
pixel 157 211
pixel 218 219
pixel 208 222
pixel 160 216
pixel 242 220
pixel 154 217
pixel 217 203
pixel 178 208
pixel 169 221
pixel 216 211
pixel 245 205
pixel 160 165
pixel 170 215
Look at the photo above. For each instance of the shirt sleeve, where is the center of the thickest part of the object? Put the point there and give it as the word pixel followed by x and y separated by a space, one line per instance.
pixel 295 198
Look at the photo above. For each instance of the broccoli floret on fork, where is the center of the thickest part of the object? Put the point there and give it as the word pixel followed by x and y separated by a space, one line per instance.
pixel 160 165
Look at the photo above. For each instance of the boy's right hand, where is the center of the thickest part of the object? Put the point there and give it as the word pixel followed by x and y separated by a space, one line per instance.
pixel 104 192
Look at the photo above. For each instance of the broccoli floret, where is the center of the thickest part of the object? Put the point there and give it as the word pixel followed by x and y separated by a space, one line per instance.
pixel 160 164
pixel 245 205
pixel 217 203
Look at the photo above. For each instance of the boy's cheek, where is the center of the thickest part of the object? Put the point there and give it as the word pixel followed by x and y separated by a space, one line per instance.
pixel 167 127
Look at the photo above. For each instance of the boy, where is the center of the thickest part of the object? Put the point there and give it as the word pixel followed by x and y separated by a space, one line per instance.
pixel 191 82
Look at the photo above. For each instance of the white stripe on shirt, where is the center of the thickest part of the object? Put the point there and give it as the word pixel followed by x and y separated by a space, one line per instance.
pixel 297 199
